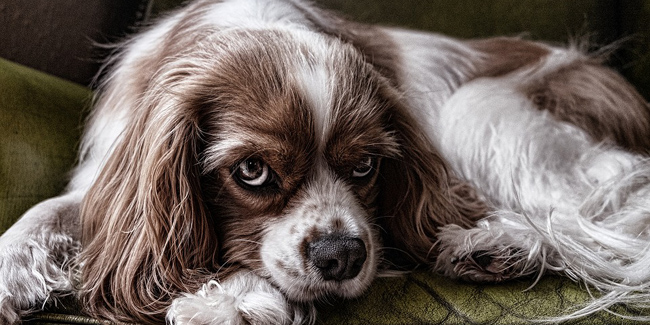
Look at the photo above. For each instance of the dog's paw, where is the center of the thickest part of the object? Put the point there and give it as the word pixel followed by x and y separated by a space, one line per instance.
pixel 485 266
pixel 242 299
pixel 32 272
pixel 480 255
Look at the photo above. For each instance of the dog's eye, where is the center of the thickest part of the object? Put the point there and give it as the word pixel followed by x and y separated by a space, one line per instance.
pixel 253 172
pixel 365 167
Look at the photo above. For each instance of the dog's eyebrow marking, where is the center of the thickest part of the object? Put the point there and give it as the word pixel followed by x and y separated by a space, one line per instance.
pixel 316 85
pixel 217 153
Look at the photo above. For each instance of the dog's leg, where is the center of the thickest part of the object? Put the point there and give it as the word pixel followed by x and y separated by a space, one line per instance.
pixel 36 254
pixel 603 242
pixel 243 298
pixel 495 250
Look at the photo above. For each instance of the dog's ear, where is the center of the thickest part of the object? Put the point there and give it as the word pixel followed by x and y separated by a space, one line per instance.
pixel 419 193
pixel 146 229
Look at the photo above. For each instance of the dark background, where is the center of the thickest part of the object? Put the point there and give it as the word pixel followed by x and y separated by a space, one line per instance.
pixel 63 37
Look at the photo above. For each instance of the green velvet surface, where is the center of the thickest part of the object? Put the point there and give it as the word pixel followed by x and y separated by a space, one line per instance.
pixel 425 298
pixel 40 119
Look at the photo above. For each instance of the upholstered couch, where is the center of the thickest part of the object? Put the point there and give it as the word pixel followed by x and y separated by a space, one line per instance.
pixel 42 109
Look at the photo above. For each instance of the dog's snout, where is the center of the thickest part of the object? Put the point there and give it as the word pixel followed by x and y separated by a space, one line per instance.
pixel 337 257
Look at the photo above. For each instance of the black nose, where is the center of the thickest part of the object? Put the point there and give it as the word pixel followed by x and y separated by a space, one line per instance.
pixel 337 257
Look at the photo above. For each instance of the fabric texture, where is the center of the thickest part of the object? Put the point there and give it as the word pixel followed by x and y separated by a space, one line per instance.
pixel 425 298
pixel 40 125
pixel 62 37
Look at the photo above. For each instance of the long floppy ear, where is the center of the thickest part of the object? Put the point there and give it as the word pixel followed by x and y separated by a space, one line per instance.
pixel 146 231
pixel 419 194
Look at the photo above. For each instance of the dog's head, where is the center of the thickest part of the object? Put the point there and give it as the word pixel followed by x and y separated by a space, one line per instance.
pixel 296 126
pixel 281 151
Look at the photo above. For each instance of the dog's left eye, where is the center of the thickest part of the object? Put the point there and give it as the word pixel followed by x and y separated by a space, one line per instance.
pixel 365 167
pixel 253 172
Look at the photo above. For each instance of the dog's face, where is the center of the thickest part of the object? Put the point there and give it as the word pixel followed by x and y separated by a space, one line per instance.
pixel 296 130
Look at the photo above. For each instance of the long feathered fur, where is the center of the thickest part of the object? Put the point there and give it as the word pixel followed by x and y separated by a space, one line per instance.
pixel 155 197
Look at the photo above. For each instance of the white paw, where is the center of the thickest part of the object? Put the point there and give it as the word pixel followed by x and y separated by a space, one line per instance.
pixel 242 299
pixel 481 255
pixel 31 273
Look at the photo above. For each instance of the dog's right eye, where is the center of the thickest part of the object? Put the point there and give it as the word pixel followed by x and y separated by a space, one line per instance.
pixel 365 168
pixel 253 172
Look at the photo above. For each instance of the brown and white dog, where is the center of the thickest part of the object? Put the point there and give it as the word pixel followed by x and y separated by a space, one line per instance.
pixel 247 157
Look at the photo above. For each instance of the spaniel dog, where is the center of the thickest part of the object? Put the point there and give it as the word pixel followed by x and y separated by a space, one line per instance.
pixel 246 158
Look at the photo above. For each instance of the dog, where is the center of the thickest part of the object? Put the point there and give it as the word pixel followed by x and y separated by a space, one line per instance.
pixel 246 158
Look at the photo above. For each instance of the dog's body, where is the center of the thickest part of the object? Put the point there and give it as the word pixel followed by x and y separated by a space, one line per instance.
pixel 257 155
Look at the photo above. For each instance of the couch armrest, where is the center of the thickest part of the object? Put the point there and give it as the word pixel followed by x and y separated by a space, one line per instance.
pixel 40 119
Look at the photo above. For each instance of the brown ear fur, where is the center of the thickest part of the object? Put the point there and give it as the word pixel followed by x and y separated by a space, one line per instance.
pixel 419 194
pixel 146 231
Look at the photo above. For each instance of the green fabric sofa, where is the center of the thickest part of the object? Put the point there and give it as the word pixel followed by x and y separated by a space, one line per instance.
pixel 41 117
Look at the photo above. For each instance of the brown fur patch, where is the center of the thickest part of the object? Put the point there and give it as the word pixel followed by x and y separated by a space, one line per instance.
pixel 502 55
pixel 376 47
pixel 598 100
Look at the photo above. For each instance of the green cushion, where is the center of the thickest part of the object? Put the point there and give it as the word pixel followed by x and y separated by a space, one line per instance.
pixel 425 298
pixel 40 119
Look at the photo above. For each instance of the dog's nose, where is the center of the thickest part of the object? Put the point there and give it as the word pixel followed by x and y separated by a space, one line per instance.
pixel 337 257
